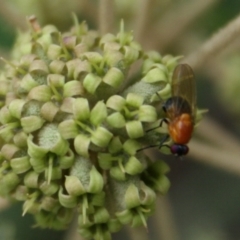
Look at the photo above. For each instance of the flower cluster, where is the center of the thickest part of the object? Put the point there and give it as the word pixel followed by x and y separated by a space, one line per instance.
pixel 72 122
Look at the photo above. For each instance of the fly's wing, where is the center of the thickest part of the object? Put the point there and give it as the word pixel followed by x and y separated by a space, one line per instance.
pixel 184 90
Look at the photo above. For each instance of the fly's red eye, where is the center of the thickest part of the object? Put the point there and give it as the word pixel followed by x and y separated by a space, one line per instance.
pixel 178 149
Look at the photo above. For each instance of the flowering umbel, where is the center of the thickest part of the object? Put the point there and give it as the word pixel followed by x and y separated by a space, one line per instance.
pixel 72 122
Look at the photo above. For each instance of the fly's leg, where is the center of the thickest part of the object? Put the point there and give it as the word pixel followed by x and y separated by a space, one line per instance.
pixel 160 124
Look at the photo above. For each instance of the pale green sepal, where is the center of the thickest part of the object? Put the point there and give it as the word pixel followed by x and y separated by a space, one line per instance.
pixel 34 150
pixel 31 123
pixel 66 161
pixel 116 102
pixel 134 100
pixel 20 165
pixel 40 93
pixel 133 166
pixel 116 120
pixel 114 225
pixel 114 77
pixel 157 74
pixel 81 110
pixel 15 107
pixel 67 201
pixel 147 113
pixel 49 189
pixel 91 82
pixel 31 180
pixel 125 217
pixel 134 129
pixel 96 181
pixel 98 113
pixel 74 186
pixel 73 88
pixel 131 146
pixel 117 173
pixel 105 160
pixel 131 197
pixel 101 137
pixel 101 215
pixel 81 145
pixel 115 145
pixel 68 129
pixel 27 82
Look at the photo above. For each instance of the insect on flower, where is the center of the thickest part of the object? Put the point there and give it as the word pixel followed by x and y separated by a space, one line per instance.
pixel 180 109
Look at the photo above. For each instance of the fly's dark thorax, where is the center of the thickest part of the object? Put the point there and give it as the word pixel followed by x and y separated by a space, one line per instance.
pixel 175 106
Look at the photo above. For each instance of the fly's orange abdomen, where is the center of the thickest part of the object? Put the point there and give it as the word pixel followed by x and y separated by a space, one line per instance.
pixel 181 128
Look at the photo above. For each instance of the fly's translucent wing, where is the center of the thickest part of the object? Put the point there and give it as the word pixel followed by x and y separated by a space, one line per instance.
pixel 184 90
